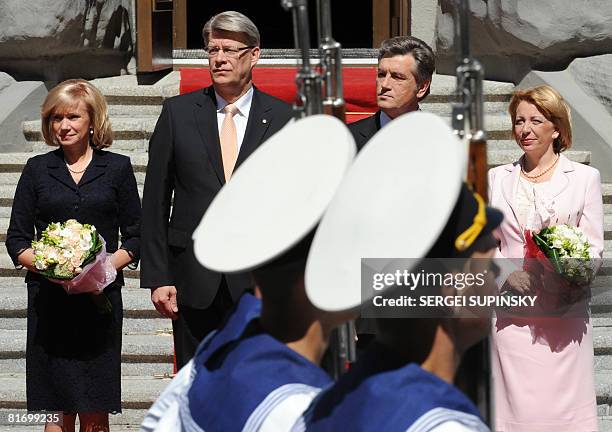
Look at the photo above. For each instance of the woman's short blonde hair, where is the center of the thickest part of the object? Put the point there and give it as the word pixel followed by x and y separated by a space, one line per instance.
pixel 552 106
pixel 67 95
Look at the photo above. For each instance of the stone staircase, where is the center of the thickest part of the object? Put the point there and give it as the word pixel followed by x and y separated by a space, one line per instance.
pixel 147 342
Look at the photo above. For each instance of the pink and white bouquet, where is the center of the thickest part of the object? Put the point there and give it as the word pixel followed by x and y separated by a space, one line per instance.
pixel 74 255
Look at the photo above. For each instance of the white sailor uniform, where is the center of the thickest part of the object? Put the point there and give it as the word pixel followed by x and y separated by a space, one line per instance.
pixel 164 416
pixel 249 381
pixel 381 393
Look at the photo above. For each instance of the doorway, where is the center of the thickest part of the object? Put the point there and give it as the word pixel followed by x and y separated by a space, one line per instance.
pixel 352 22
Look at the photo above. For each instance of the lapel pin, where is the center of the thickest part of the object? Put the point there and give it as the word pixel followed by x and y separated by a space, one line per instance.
pixel 264 121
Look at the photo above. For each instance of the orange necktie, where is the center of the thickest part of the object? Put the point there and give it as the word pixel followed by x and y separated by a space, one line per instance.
pixel 229 140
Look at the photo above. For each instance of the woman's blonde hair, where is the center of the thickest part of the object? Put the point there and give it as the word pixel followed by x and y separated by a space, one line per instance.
pixel 552 106
pixel 67 95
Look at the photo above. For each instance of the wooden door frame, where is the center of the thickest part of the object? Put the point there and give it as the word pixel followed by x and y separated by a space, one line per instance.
pixel 179 24
pixel 390 18
pixel 150 59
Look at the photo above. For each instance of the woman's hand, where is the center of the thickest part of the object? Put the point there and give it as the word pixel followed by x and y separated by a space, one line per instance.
pixel 519 281
pixel 26 259
pixel 120 259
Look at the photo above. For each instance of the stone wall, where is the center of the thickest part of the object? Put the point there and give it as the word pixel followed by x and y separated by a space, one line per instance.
pixel 19 101
pixel 513 37
pixel 58 39
pixel 594 76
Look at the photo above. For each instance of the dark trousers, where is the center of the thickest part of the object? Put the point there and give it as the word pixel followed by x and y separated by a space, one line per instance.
pixel 193 325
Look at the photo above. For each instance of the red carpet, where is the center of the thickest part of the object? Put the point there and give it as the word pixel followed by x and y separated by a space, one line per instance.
pixel 359 86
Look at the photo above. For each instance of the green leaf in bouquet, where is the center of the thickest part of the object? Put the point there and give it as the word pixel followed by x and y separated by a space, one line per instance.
pixel 555 260
pixel 57 273
pixel 95 248
pixel 541 242
pixel 550 252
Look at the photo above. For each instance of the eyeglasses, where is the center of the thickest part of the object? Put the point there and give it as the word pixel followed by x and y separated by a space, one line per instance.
pixel 233 52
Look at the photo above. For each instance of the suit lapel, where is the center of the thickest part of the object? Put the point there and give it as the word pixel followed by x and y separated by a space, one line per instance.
pixel 257 125
pixel 96 168
pixel 560 181
pixel 371 127
pixel 57 169
pixel 509 186
pixel 377 121
pixel 205 112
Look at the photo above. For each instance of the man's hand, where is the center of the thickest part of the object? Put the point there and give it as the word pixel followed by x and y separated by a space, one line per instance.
pixel 164 300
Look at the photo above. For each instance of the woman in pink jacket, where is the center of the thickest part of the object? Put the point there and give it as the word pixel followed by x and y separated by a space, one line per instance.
pixel 543 367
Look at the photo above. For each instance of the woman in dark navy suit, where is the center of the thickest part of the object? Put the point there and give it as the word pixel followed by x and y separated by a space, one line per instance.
pixel 73 357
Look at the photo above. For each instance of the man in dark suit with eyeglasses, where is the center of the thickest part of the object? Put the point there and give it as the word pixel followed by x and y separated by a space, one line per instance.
pixel 198 142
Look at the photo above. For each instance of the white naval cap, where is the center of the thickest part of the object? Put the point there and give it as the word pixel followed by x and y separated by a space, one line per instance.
pixel 393 203
pixel 276 197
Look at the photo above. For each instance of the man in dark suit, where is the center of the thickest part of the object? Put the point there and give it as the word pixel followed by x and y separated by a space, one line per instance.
pixel 405 67
pixel 199 139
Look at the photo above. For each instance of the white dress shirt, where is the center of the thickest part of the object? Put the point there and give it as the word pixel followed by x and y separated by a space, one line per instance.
pixel 240 118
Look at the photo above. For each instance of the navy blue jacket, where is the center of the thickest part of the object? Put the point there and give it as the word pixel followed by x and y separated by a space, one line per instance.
pixel 106 197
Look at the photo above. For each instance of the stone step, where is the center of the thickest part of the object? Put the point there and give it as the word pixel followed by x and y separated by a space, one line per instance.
pixel 604 421
pixel 14 162
pixel 134 348
pixel 601 321
pixel 131 326
pixel 124 128
pixel 146 106
pixel 133 110
pixel 7 192
pixel 169 85
pixel 136 302
pixel 127 369
pixel 442 105
pixel 510 144
pixel 603 362
pixel 601 283
pixel 12 178
pixel 127 128
pixel 446 84
pixel 134 145
pixel 125 90
pixel 603 387
pixel 137 393
pixel 501 157
pixel 602 339
pixel 142 145
pixel 7 270
pixel 606 189
pixel 128 421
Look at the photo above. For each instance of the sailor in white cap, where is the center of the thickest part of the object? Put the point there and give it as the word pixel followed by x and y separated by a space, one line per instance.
pixel 407 202
pixel 259 371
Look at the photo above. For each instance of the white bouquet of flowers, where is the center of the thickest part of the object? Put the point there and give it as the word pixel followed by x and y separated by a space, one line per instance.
pixel 74 255
pixel 567 249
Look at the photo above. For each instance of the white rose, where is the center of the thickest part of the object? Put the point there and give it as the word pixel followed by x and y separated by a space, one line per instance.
pixel 85 244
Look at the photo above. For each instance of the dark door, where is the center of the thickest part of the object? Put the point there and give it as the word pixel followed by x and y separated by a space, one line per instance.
pixel 351 21
pixel 154 24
